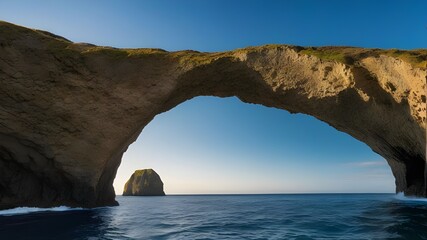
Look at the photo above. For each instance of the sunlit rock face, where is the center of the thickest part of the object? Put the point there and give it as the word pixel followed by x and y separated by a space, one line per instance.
pixel 145 182
pixel 68 111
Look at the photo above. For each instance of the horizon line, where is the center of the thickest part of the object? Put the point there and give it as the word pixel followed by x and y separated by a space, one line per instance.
pixel 236 194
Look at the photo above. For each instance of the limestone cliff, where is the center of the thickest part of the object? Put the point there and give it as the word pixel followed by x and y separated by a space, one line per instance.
pixel 68 111
pixel 145 182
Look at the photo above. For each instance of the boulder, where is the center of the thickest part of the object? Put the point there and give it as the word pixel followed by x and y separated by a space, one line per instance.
pixel 145 182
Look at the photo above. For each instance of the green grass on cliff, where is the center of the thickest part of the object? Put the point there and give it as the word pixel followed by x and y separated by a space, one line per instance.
pixel 148 172
pixel 417 58
pixel 106 51
pixel 10 31
pixel 348 55
pixel 122 52
pixel 54 44
pixel 329 55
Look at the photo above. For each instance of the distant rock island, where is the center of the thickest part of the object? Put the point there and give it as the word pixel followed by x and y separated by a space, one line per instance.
pixel 145 182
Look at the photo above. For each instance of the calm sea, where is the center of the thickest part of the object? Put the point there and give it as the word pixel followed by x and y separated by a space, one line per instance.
pixel 300 216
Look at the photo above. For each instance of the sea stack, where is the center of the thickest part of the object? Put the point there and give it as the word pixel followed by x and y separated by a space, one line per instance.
pixel 145 182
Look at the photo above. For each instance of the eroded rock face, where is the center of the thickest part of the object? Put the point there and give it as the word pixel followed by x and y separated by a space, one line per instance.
pixel 69 111
pixel 145 182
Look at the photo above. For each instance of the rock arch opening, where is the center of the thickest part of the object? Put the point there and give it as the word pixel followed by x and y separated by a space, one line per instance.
pixel 210 145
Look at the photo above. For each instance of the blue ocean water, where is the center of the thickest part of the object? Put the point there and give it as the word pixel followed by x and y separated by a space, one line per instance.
pixel 299 216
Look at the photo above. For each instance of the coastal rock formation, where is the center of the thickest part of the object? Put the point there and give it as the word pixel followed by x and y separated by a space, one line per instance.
pixel 68 111
pixel 145 182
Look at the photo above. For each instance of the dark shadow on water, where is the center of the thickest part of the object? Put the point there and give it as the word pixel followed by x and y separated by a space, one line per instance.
pixel 411 220
pixel 64 225
pixel 398 219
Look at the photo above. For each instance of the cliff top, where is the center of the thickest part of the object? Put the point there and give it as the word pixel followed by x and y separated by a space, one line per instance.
pixel 343 54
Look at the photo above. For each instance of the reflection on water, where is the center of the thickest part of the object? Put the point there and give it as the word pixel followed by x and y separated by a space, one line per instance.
pixel 331 216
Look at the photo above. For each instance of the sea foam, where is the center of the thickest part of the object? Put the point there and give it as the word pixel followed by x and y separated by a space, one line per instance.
pixel 26 210
pixel 401 196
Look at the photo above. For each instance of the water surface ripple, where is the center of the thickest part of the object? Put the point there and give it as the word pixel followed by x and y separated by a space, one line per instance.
pixel 299 216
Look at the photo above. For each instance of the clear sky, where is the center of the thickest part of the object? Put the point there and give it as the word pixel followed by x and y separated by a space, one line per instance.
pixel 213 145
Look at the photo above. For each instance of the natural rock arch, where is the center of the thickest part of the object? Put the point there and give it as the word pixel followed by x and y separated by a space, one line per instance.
pixel 69 111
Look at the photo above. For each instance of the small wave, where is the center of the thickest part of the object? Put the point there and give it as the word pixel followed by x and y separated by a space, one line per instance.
pixel 26 210
pixel 401 196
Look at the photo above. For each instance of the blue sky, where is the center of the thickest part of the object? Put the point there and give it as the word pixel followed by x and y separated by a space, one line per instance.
pixel 213 145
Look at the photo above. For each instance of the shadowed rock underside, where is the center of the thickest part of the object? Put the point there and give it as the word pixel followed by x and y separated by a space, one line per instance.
pixel 68 111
